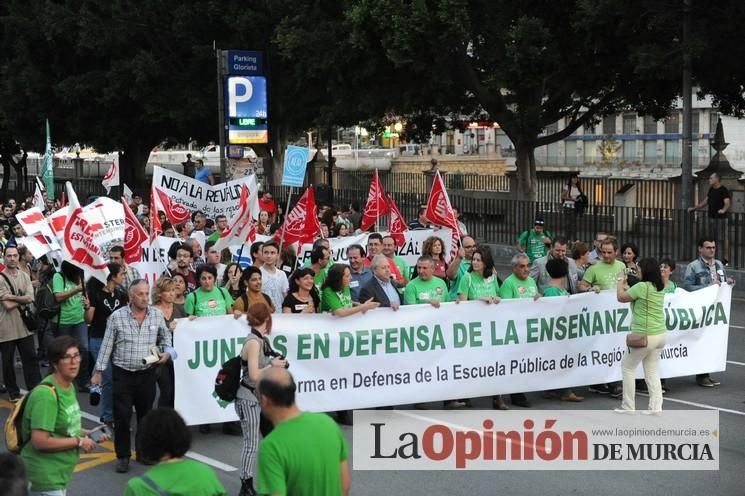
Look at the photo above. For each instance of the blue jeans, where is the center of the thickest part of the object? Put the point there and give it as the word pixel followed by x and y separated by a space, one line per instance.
pixel 80 333
pixel 107 396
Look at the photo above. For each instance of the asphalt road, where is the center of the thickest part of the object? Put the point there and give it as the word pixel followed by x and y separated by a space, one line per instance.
pixel 95 474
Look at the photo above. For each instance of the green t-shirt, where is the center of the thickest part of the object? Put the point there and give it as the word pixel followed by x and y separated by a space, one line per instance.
pixel 320 278
pixel 58 414
pixel 402 266
pixel 462 270
pixel 71 310
pixel 533 244
pixel 603 275
pixel 647 309
pixel 215 302
pixel 418 291
pixel 554 291
pixel 302 456
pixel 332 300
pixel 180 478
pixel 474 286
pixel 513 288
pixel 670 288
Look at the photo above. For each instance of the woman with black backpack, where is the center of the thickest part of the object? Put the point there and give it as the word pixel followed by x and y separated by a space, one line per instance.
pixel 573 203
pixel 257 356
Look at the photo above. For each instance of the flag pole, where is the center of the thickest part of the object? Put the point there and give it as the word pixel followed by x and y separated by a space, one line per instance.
pixel 282 237
pixel 377 210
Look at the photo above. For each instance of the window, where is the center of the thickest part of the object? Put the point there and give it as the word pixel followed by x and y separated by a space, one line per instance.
pixel 650 125
pixel 650 152
pixel 591 151
pixel 629 124
pixel 551 128
pixel 672 123
pixel 609 124
pixel 629 151
pixel 672 151
pixel 695 115
pixel 713 118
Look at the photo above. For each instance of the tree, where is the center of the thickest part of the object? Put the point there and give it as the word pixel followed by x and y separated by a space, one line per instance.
pixel 528 64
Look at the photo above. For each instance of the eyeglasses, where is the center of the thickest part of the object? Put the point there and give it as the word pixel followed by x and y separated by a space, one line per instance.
pixel 71 358
pixel 469 247
pixel 710 247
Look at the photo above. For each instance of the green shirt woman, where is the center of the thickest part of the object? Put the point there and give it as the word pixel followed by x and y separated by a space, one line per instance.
pixel 336 297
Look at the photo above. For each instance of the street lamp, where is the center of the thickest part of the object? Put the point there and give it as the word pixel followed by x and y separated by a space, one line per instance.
pixel 398 127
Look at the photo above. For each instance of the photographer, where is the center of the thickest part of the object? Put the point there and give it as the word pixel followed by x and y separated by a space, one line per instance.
pixel 257 356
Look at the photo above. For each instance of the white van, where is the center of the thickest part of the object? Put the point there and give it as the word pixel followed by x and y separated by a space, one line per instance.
pixel 341 150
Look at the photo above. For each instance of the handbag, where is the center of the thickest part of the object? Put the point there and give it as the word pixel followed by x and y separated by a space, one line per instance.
pixel 26 315
pixel 636 339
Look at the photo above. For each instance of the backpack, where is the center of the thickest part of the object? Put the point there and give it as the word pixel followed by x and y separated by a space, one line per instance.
pixel 14 423
pixel 228 379
pixel 47 307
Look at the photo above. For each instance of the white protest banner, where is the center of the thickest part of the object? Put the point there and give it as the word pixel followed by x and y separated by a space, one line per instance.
pixel 154 258
pixel 421 354
pixel 410 251
pixel 220 199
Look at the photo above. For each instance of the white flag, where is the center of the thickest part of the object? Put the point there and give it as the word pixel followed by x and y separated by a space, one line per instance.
pixel 112 176
pixel 128 194
pixel 39 196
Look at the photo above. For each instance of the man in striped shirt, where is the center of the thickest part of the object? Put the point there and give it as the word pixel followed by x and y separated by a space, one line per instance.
pixel 130 333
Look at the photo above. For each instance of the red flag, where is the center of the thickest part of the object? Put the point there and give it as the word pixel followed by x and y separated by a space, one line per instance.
pixel 156 229
pixel 398 226
pixel 175 212
pixel 376 206
pixel 134 235
pixel 63 201
pixel 301 224
pixel 241 227
pixel 440 212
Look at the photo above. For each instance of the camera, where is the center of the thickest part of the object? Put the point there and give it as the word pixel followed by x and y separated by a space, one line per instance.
pixel 153 357
pixel 274 354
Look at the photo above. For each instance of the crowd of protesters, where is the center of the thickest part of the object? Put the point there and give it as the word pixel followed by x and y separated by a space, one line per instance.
pixel 96 340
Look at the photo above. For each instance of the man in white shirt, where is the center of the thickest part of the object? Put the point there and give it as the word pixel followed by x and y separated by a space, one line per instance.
pixel 273 281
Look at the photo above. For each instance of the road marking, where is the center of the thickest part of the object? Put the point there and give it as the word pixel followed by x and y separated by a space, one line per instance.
pixel 95 459
pixel 736 326
pixel 703 405
pixel 211 461
pixel 735 363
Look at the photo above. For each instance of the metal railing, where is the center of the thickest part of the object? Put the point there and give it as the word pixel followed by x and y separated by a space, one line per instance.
pixel 658 232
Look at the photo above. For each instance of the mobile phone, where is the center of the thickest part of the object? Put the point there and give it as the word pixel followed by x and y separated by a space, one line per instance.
pixel 98 433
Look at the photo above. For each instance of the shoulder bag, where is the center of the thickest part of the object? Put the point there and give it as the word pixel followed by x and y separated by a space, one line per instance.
pixel 636 339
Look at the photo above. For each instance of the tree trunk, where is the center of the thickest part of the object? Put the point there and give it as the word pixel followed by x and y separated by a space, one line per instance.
pixel 132 166
pixel 526 171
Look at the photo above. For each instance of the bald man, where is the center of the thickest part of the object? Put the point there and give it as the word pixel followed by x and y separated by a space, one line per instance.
pixel 306 453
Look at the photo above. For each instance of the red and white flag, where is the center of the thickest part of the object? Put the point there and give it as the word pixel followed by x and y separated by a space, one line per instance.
pixel 39 238
pixel 112 175
pixel 134 235
pixel 175 212
pixel 398 225
pixel 156 228
pixel 376 206
pixel 440 212
pixel 301 224
pixel 241 228
pixel 78 241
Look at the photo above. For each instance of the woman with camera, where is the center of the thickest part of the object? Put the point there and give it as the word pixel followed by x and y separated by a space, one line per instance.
pixel 648 332
pixel 257 355
pixel 51 422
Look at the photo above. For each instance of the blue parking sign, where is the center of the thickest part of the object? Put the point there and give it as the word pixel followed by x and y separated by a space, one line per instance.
pixel 296 160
